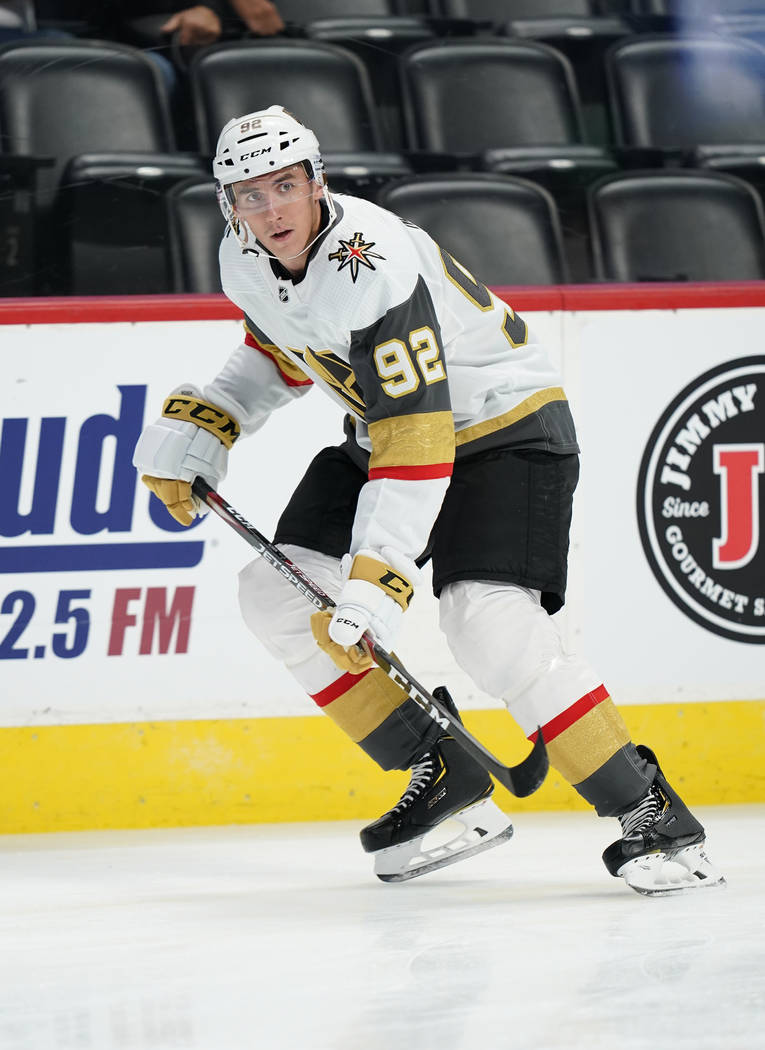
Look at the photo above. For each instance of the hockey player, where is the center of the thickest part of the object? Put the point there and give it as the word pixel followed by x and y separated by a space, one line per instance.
pixel 459 447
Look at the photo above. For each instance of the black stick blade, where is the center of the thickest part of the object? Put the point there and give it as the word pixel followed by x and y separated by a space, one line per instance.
pixel 525 778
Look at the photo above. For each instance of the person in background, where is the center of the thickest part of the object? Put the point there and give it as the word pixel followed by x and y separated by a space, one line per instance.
pixel 169 32
pixel 203 23
pixel 151 23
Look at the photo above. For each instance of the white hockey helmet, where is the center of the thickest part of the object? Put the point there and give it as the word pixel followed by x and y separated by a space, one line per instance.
pixel 257 144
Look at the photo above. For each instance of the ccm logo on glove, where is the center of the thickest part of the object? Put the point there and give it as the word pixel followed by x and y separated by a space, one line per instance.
pixel 205 415
pixel 191 439
pixel 356 658
pixel 374 597
pixel 400 587
pixel 370 569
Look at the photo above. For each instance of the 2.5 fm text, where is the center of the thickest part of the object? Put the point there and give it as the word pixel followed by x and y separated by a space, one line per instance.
pixel 155 619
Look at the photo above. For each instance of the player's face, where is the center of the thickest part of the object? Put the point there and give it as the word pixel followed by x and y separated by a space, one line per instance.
pixel 282 210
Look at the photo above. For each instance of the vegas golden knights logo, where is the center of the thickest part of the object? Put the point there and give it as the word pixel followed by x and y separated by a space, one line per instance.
pixel 701 500
pixel 354 253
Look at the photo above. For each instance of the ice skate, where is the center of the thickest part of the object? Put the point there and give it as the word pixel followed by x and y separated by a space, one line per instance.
pixel 445 815
pixel 662 848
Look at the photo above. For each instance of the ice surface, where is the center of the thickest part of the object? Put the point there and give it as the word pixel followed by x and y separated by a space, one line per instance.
pixel 279 938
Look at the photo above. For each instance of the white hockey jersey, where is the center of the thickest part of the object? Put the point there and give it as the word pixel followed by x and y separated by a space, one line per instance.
pixel 427 363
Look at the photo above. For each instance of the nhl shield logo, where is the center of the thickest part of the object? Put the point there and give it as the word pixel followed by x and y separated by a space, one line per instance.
pixel 701 499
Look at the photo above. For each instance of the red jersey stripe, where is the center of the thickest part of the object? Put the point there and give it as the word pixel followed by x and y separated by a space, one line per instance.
pixel 422 472
pixel 250 340
pixel 338 687
pixel 572 714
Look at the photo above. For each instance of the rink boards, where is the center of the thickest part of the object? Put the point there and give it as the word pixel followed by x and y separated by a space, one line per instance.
pixel 132 695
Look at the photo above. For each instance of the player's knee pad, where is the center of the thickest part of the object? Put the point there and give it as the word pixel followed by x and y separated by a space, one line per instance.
pixel 276 612
pixel 503 638
pixel 499 634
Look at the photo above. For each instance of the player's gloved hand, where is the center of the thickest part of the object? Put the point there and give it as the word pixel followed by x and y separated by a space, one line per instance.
pixel 177 497
pixel 356 658
pixel 374 597
pixel 191 439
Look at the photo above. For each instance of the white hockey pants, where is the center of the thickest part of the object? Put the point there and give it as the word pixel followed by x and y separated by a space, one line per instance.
pixel 501 637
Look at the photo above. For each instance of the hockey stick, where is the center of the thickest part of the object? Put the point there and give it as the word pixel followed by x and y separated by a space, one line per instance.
pixel 520 780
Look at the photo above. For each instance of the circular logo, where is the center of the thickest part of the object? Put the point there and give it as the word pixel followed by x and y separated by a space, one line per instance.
pixel 701 498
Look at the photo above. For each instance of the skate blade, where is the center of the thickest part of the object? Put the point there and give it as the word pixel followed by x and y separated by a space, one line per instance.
pixel 484 826
pixel 659 874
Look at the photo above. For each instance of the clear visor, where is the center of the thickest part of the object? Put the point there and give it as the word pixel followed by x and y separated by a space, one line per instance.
pixel 252 197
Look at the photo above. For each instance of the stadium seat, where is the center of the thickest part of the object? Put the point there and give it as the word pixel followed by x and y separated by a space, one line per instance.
pixel 327 88
pixel 675 225
pixel 509 107
pixel 470 95
pixel 18 265
pixel 696 9
pixel 112 208
pixel 749 26
pixel 581 32
pixel 60 98
pixel 504 230
pixel 495 103
pixel 196 227
pixel 560 22
pixel 498 12
pixel 673 92
pixel 299 12
pixel 378 42
pixel 18 14
pixel 746 162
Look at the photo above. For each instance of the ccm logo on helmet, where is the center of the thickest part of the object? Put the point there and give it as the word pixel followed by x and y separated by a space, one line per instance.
pixel 255 153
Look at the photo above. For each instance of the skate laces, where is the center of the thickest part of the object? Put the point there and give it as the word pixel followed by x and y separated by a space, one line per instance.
pixel 644 815
pixel 422 775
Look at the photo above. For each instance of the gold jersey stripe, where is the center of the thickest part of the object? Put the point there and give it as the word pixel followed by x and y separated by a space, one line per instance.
pixel 525 408
pixel 365 706
pixel 584 747
pixel 416 440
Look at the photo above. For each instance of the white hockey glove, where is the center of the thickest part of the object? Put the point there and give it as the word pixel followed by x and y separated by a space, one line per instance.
pixel 191 439
pixel 374 598
pixel 356 658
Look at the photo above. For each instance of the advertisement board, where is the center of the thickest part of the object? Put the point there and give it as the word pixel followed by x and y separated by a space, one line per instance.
pixel 120 633
pixel 668 588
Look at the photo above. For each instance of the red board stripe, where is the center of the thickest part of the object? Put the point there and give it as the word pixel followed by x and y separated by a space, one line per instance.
pixel 649 296
pixel 337 688
pixel 572 714
pixel 110 308
pixel 416 473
